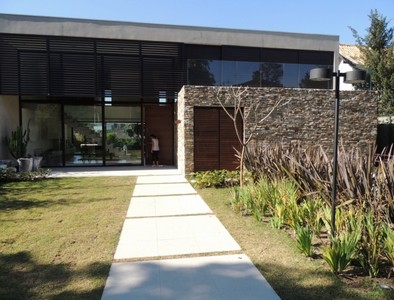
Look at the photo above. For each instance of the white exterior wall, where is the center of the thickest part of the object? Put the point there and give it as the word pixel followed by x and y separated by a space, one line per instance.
pixel 343 68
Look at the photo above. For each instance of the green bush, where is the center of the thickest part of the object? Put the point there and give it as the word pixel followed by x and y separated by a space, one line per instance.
pixel 10 175
pixel 215 178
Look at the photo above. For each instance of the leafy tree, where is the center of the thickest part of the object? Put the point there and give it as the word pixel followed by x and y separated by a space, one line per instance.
pixel 250 111
pixel 377 48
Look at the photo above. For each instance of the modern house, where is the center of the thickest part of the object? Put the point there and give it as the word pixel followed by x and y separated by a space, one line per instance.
pixel 92 92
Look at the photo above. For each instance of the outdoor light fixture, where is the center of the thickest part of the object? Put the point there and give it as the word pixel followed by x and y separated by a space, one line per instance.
pixel 323 74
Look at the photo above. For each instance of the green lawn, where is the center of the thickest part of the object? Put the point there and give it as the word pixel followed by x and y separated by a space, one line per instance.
pixel 292 275
pixel 58 236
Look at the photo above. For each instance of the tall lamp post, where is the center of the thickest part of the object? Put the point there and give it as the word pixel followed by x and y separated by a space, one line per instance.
pixel 323 74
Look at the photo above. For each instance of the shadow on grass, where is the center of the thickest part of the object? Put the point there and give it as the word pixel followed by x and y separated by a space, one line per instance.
pixel 24 195
pixel 16 204
pixel 23 278
pixel 288 283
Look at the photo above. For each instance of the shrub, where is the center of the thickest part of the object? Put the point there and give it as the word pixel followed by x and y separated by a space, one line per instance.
pixel 371 246
pixel 216 178
pixel 304 240
pixel 311 213
pixel 241 200
pixel 362 178
pixel 342 251
pixel 10 175
pixel 388 245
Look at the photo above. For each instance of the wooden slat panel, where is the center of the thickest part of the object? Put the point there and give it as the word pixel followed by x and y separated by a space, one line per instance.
pixel 228 141
pixel 9 83
pixel 206 143
pixel 214 140
pixel 33 73
pixel 73 74
pixel 122 75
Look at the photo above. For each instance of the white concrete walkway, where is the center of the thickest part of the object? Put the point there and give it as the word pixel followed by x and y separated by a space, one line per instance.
pixel 173 247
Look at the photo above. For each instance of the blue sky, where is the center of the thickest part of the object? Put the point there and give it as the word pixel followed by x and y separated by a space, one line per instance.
pixel 305 16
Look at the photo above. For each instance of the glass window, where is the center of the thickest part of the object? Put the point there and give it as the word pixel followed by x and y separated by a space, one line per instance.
pixel 271 74
pixel 304 77
pixel 44 122
pixel 204 72
pixel 83 135
pixel 241 73
pixel 291 78
pixel 123 135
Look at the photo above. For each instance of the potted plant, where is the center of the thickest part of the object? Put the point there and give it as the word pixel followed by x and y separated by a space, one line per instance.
pixel 17 145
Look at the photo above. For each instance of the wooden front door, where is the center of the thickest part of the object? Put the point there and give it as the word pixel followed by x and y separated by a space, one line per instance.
pixel 159 120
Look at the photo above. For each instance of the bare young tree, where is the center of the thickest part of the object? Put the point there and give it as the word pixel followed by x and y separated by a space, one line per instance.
pixel 237 105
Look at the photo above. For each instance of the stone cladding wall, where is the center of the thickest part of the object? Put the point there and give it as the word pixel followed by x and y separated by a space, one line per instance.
pixel 307 116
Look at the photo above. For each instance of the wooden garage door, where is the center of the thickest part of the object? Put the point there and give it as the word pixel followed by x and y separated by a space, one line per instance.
pixel 214 140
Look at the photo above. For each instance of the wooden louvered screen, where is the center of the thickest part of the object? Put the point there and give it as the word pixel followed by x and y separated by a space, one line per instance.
pixel 73 75
pixel 15 50
pixel 214 140
pixel 118 47
pixel 122 75
pixel 157 76
pixel 228 141
pixel 33 73
pixel 66 66
pixel 206 139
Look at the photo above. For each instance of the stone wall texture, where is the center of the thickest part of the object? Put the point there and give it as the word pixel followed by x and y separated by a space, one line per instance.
pixel 303 115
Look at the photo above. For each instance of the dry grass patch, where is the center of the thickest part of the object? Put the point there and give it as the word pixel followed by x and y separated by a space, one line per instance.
pixel 292 275
pixel 58 236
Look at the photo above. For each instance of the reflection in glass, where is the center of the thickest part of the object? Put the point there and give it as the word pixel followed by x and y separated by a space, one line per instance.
pixel 199 72
pixel 83 135
pixel 241 73
pixel 44 122
pixel 306 83
pixel 254 74
pixel 123 135
pixel 291 78
pixel 271 74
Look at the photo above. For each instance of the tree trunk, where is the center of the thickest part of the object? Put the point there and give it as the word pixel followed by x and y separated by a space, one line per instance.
pixel 241 167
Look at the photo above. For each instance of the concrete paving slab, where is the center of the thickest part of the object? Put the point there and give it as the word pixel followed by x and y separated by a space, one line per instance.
pixel 113 171
pixel 162 189
pixel 227 277
pixel 170 178
pixel 173 236
pixel 167 206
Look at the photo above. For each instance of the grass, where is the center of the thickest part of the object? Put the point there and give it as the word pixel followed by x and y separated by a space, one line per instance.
pixel 275 254
pixel 58 236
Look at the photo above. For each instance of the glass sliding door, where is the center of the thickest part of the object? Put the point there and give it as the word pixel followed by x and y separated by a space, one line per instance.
pixel 123 135
pixel 44 123
pixel 83 133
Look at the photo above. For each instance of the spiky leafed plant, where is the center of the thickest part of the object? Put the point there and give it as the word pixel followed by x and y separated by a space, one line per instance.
pixel 17 143
pixel 304 237
pixel 343 249
pixel 361 177
pixel 388 246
